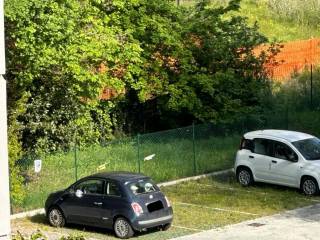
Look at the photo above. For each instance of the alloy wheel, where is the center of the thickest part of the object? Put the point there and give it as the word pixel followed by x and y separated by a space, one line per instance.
pixel 122 228
pixel 309 187
pixel 244 177
pixel 55 218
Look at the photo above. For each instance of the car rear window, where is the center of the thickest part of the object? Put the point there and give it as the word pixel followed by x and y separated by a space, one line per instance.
pixel 142 186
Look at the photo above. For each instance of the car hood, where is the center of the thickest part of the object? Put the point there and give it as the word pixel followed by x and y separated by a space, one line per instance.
pixel 314 163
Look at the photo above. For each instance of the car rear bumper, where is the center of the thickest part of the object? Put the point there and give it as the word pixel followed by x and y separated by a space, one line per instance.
pixel 153 220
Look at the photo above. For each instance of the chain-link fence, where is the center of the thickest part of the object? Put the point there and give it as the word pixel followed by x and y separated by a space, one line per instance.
pixel 164 156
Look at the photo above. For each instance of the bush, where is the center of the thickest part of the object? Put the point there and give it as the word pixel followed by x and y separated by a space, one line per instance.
pixel 15 153
pixel 38 235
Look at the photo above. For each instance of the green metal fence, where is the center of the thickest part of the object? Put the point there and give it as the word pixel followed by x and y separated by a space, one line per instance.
pixel 164 156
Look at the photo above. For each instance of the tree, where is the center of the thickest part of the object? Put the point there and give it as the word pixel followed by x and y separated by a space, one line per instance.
pixel 62 54
pixel 228 79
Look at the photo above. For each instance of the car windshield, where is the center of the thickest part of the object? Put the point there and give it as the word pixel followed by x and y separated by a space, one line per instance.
pixel 142 186
pixel 309 148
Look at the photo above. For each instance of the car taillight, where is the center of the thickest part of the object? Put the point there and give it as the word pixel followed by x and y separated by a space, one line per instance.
pixel 137 208
pixel 168 202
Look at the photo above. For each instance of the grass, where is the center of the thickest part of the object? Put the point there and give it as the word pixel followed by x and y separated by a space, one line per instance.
pixel 195 208
pixel 271 23
pixel 174 158
pixel 274 27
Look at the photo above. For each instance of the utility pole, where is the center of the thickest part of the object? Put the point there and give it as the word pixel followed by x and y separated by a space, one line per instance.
pixel 5 230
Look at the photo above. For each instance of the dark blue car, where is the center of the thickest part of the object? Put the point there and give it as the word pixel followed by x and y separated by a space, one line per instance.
pixel 124 202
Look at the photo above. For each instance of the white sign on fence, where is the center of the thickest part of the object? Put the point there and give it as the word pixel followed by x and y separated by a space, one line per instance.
pixel 150 157
pixel 37 165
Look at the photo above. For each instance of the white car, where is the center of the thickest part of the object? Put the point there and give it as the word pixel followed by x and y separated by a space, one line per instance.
pixel 279 157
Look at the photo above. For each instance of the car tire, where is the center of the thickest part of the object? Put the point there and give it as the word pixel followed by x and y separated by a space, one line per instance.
pixel 56 217
pixel 309 186
pixel 122 228
pixel 166 227
pixel 244 176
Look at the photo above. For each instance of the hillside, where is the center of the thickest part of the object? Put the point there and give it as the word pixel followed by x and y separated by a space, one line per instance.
pixel 283 20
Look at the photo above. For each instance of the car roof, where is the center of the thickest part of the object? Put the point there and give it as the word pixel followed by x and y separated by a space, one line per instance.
pixel 120 176
pixel 290 136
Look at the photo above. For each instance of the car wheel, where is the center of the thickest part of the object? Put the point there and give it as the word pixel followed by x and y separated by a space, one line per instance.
pixel 166 227
pixel 56 218
pixel 309 186
pixel 244 177
pixel 122 228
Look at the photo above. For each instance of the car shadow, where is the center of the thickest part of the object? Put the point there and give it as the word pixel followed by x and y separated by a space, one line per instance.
pixel 230 178
pixel 41 219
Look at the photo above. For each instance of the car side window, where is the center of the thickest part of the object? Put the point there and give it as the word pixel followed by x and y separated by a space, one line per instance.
pixel 92 186
pixel 247 144
pixel 112 189
pixel 262 146
pixel 283 151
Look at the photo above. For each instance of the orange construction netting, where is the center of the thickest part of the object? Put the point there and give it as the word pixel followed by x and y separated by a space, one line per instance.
pixel 294 57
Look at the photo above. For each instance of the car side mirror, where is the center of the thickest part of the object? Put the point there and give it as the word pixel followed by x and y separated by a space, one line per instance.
pixel 79 193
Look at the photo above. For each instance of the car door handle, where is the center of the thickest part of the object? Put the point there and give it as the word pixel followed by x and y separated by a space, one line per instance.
pixel 251 156
pixel 98 203
pixel 274 161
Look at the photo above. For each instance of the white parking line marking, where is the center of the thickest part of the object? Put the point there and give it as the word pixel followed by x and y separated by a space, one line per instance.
pixel 216 209
pixel 232 189
pixel 192 229
pixel 309 199
pixel 258 192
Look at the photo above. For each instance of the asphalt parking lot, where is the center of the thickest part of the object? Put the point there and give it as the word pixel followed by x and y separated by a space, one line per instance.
pixel 299 224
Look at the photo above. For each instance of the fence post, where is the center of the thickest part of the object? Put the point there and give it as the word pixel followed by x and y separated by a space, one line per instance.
pixel 194 150
pixel 139 164
pixel 287 116
pixel 311 87
pixel 75 161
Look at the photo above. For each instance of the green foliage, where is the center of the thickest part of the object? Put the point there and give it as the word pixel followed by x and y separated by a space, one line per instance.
pixel 38 235
pixel 73 237
pixel 166 61
pixel 226 79
pixel 17 191
pixel 297 91
pixel 291 101
pixel 302 12
pixel 55 53
pixel 283 20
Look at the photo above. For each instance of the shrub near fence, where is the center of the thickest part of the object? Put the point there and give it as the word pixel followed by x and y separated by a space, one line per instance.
pixel 164 156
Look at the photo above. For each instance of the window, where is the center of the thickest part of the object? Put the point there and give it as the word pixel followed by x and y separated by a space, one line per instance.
pixel 92 186
pixel 247 144
pixel 309 148
pixel 263 146
pixel 113 190
pixel 142 186
pixel 283 151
